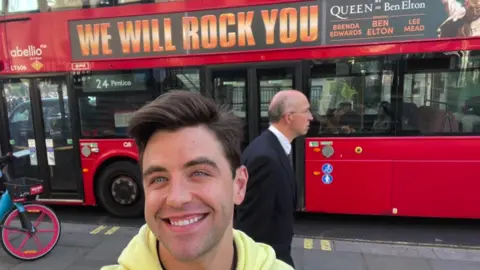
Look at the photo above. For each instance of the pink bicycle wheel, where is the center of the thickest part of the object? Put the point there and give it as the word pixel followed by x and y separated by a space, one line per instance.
pixel 9 236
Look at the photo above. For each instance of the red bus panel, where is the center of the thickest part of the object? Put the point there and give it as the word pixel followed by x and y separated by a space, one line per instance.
pixel 360 184
pixel 423 177
pixel 96 154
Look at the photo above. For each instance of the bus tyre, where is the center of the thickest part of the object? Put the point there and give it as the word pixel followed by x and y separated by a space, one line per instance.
pixel 119 190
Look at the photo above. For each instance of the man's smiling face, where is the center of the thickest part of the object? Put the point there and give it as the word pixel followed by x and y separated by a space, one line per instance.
pixel 189 190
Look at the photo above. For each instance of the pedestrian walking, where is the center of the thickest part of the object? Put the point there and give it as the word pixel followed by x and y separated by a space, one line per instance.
pixel 267 212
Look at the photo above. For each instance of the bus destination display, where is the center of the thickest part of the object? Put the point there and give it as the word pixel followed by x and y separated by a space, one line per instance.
pixel 114 82
pixel 278 26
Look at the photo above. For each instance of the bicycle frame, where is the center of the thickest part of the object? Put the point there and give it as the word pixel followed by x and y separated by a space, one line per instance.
pixel 6 204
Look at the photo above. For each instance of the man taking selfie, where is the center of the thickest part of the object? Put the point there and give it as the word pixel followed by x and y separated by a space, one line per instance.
pixel 189 153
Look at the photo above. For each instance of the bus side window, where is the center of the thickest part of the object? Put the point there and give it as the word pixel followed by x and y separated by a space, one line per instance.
pixel 65 4
pixel 352 97
pixel 21 114
pixel 100 3
pixel 441 91
pixel 22 6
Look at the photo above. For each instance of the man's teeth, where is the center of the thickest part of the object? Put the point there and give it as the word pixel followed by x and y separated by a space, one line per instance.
pixel 185 222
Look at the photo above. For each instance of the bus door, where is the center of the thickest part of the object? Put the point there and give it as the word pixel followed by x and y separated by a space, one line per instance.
pixel 249 88
pixel 38 119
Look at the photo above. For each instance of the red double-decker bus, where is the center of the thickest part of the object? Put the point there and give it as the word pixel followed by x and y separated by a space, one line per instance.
pixel 393 85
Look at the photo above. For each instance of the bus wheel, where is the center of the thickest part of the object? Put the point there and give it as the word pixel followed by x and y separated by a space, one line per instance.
pixel 119 190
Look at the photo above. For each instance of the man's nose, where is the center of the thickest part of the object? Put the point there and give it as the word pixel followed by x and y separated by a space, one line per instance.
pixel 178 193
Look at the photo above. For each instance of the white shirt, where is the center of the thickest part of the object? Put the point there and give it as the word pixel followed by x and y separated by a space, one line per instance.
pixel 286 145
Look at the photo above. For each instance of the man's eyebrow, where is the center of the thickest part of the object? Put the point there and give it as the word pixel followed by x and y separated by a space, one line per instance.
pixel 201 161
pixel 194 162
pixel 153 169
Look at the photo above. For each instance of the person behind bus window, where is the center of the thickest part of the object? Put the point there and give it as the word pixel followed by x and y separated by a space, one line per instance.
pixel 348 120
pixel 384 118
pixel 331 125
pixel 189 154
pixel 470 121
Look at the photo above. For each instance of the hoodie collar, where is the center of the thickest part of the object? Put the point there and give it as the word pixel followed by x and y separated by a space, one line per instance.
pixel 234 262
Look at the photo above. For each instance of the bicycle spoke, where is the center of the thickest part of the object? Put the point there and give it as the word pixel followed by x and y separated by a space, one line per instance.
pixel 39 219
pixel 45 231
pixel 37 241
pixel 27 237
pixel 16 230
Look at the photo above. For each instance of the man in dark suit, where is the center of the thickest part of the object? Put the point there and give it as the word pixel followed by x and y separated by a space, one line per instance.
pixel 267 212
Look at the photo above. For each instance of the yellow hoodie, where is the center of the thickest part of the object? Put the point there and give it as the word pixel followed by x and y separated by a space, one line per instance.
pixel 141 254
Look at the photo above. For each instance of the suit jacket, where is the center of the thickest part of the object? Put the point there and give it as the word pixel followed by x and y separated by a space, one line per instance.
pixel 267 213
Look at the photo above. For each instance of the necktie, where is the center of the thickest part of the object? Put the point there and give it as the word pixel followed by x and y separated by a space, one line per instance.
pixel 289 155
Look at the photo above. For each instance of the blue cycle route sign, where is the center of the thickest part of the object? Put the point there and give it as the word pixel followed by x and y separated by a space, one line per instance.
pixel 327 168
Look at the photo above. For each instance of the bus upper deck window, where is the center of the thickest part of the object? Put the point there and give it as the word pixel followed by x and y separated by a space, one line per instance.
pixel 100 3
pixel 123 2
pixel 16 6
pixel 69 4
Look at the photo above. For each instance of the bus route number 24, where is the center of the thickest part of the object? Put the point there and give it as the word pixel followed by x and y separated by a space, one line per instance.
pixel 104 84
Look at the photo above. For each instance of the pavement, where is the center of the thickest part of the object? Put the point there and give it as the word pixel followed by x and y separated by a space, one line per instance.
pixel 458 232
pixel 88 246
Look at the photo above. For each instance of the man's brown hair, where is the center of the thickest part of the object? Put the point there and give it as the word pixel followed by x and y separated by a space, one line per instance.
pixel 180 109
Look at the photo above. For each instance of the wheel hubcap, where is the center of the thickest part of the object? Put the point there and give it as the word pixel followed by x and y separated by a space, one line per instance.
pixel 124 190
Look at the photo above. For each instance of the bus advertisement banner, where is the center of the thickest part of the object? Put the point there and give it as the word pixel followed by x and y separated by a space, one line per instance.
pixel 280 26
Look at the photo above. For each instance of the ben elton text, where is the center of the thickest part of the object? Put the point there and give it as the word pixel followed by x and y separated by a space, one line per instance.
pixel 290 25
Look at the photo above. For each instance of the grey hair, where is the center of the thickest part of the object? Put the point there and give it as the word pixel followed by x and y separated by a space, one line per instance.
pixel 277 110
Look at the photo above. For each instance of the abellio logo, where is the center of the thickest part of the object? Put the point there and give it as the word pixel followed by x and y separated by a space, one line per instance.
pixel 29 51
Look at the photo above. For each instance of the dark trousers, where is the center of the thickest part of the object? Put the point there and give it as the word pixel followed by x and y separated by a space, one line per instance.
pixel 284 254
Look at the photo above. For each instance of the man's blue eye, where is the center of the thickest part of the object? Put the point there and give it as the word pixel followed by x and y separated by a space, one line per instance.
pixel 200 174
pixel 159 179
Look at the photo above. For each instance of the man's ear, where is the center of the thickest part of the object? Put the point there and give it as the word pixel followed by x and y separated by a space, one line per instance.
pixel 240 184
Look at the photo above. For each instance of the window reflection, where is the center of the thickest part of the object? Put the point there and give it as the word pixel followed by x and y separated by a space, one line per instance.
pixel 15 6
pixel 107 100
pixel 64 4
pixel 230 87
pixel 270 82
pixel 412 94
pixel 122 2
pixel 441 93
pixel 352 97
pixel 178 79
pixel 97 3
